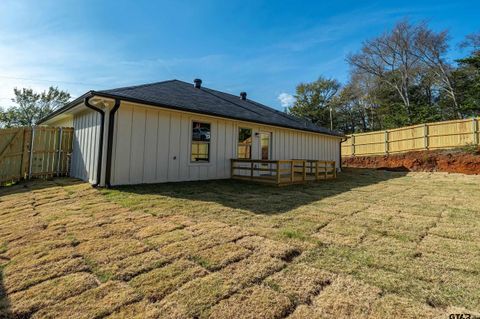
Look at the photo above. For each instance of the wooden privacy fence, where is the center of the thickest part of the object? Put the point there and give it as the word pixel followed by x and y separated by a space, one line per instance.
pixel 28 152
pixel 282 172
pixel 430 136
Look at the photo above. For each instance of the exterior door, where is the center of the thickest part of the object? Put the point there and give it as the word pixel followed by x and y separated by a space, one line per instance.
pixel 265 151
pixel 265 145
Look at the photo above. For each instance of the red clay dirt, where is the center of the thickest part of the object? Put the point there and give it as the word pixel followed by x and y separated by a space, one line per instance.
pixel 452 161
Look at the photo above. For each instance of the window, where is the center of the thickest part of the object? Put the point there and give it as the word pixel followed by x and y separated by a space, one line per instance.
pixel 244 143
pixel 200 142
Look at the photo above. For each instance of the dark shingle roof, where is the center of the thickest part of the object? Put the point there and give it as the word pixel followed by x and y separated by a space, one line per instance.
pixel 184 96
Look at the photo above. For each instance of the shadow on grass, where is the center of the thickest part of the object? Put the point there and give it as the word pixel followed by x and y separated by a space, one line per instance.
pixel 5 312
pixel 37 184
pixel 257 198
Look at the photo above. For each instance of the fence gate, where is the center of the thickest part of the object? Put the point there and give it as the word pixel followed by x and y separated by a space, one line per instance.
pixel 28 152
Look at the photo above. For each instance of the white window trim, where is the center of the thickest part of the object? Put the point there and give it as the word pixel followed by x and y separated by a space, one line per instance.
pixel 190 140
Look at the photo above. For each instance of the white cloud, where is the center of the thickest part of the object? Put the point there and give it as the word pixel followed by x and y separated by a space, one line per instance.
pixel 286 100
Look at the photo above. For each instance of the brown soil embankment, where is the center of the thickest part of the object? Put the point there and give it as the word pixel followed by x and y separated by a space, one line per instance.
pixel 452 161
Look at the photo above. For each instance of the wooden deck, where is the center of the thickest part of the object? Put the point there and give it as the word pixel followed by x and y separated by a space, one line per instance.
pixel 282 172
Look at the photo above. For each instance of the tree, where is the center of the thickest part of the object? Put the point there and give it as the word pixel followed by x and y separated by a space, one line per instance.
pixel 430 48
pixel 314 101
pixel 356 105
pixel 32 106
pixel 467 77
pixel 390 59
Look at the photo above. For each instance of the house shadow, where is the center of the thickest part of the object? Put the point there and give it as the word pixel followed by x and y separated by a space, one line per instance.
pixel 263 198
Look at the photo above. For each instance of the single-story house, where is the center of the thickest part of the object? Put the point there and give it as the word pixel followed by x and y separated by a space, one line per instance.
pixel 177 131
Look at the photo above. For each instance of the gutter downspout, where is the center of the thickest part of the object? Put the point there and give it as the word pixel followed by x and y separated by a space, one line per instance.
pixel 111 126
pixel 100 149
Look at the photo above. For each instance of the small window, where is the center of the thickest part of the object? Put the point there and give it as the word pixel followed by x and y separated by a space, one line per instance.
pixel 244 143
pixel 200 142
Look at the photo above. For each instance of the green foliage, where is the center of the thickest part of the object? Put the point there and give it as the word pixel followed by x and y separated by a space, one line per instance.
pixel 313 100
pixel 471 148
pixel 32 106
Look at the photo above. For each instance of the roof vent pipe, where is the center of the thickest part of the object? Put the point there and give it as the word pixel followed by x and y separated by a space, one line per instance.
pixel 198 83
pixel 243 95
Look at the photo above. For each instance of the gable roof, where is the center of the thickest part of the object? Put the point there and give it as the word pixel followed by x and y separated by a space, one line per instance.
pixel 184 96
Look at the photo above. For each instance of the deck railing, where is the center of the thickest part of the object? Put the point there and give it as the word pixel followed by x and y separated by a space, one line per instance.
pixel 282 172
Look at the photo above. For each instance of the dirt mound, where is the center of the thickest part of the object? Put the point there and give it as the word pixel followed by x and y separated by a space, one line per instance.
pixel 452 161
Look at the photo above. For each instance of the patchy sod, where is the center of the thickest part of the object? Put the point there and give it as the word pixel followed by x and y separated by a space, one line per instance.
pixel 251 303
pixel 158 283
pixel 371 244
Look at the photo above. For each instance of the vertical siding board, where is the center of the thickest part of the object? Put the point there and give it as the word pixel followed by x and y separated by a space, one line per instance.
pixel 85 146
pixel 150 147
pixel 163 145
pixel 122 155
pixel 137 145
pixel 174 136
pixel 220 153
pixel 184 150
pixel 212 172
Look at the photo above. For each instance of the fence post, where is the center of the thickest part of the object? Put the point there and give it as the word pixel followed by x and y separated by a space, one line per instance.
pixel 31 153
pixel 59 151
pixel 386 142
pixel 475 131
pixel 353 144
pixel 425 136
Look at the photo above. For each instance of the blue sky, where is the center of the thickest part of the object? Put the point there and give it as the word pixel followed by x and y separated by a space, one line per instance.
pixel 263 47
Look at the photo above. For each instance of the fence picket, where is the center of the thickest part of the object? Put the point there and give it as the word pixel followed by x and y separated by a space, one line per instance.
pixel 34 152
pixel 429 136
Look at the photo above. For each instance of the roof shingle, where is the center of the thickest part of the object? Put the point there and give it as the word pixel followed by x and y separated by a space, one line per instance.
pixel 184 96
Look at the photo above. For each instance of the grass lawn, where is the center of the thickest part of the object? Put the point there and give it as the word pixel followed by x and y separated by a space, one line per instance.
pixel 371 244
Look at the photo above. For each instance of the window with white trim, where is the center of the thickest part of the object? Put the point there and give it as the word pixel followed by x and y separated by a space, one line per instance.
pixel 200 151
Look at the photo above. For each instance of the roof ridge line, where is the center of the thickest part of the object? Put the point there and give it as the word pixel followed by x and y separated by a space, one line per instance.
pixel 139 86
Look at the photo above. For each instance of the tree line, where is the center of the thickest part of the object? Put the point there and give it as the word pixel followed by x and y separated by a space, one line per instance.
pixel 402 77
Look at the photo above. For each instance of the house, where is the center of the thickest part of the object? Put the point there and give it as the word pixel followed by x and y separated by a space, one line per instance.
pixel 177 131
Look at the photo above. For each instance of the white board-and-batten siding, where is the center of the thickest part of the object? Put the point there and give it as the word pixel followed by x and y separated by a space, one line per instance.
pixel 152 145
pixel 85 145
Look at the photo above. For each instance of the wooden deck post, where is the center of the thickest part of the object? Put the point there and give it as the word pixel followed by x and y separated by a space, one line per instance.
pixel 292 171
pixel 316 170
pixel 304 171
pixel 334 170
pixel 278 172
pixel 326 170
pixel 251 170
